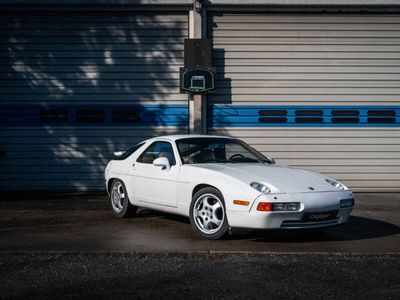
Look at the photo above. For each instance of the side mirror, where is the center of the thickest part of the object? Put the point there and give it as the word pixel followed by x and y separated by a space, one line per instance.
pixel 162 162
pixel 271 160
pixel 118 153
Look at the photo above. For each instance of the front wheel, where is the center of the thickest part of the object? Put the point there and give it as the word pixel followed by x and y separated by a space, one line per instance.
pixel 207 214
pixel 120 205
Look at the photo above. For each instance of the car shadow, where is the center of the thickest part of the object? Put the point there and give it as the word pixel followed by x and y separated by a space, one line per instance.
pixel 357 228
pixel 148 213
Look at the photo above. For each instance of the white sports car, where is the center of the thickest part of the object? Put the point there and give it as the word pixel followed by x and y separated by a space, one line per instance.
pixel 222 183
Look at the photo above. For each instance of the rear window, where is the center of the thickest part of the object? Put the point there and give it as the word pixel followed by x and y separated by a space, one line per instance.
pixel 128 152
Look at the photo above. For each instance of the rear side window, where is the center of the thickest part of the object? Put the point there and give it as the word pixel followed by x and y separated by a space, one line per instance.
pixel 156 150
pixel 129 152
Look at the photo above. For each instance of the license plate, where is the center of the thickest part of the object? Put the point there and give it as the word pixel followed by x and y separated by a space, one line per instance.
pixel 318 216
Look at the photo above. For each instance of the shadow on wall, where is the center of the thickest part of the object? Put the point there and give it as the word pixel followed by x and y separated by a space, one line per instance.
pixel 77 86
pixel 223 92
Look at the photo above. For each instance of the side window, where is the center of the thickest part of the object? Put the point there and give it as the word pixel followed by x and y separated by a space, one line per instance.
pixel 156 150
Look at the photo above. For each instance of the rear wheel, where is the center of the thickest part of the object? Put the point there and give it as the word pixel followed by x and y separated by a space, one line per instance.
pixel 207 214
pixel 120 205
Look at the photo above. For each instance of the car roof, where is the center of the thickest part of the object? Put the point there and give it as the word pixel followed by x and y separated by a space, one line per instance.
pixel 183 136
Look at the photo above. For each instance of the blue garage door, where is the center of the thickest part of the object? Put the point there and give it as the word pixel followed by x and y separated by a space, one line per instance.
pixel 76 86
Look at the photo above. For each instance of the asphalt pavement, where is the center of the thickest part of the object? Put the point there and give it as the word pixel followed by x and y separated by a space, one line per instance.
pixel 86 224
pixel 69 246
pixel 198 276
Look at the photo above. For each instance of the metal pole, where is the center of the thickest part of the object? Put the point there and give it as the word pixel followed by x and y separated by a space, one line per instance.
pixel 197 103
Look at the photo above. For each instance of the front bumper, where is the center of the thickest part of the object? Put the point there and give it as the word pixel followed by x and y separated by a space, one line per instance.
pixel 315 202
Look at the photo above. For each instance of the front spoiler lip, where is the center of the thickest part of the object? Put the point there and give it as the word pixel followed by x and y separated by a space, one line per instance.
pixel 309 225
pixel 244 230
pixel 291 229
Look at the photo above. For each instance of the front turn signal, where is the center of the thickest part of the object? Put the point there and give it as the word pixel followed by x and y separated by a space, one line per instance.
pixel 241 202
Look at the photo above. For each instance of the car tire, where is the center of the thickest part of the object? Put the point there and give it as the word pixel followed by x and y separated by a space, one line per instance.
pixel 208 215
pixel 119 200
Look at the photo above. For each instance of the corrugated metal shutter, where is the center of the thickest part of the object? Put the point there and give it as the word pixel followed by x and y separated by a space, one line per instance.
pixel 314 91
pixel 76 86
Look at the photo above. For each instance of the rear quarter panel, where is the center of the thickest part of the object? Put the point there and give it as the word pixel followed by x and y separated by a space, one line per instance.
pixel 121 169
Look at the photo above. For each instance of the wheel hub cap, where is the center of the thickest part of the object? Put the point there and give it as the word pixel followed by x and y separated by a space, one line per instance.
pixel 117 197
pixel 208 213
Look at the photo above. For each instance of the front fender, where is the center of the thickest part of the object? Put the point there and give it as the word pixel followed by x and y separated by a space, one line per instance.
pixel 230 187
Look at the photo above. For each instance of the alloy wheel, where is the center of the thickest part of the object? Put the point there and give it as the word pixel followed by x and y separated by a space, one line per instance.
pixel 208 213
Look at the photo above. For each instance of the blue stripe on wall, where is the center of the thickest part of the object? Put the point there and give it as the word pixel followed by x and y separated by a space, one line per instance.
pixel 218 115
pixel 95 115
pixel 303 116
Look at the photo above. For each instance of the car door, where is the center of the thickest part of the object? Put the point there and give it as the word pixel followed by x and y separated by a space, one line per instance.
pixel 155 184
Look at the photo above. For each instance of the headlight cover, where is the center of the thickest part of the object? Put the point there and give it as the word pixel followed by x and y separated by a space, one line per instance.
pixel 262 188
pixel 336 184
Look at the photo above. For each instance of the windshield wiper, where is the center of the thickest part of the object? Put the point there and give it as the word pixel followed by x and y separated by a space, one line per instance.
pixel 244 160
pixel 210 161
pixel 265 161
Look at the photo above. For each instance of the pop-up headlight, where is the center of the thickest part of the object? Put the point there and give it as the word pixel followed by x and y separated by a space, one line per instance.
pixel 336 184
pixel 262 188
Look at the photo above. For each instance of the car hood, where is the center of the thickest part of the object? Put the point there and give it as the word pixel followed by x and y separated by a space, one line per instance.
pixel 285 179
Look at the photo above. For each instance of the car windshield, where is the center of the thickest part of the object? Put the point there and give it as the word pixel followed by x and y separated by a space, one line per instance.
pixel 217 150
